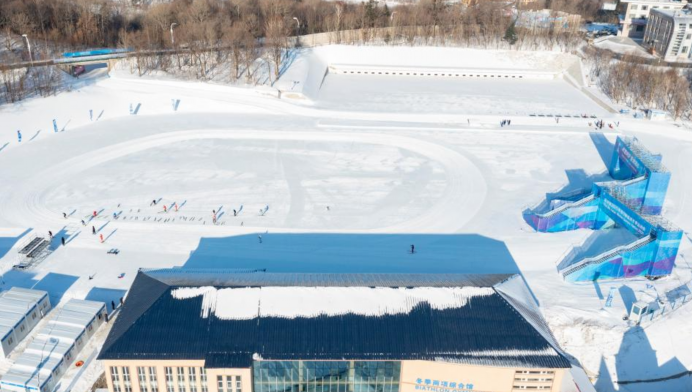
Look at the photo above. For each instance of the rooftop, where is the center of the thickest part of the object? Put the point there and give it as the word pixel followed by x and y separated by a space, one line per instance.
pixel 47 351
pixel 230 317
pixel 684 13
pixel 15 304
pixel 656 1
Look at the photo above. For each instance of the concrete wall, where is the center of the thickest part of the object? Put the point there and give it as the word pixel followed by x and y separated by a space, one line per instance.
pixel 373 70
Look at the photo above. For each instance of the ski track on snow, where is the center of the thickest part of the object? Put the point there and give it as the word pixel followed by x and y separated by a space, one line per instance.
pixel 463 197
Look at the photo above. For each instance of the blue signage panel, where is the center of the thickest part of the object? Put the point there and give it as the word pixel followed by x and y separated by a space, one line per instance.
pixel 624 216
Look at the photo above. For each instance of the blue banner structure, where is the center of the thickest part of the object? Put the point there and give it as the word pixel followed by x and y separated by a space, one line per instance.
pixel 609 300
pixel 624 216
pixel 55 126
pixel 633 201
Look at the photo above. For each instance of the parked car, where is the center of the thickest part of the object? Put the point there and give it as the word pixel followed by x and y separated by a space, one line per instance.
pixel 78 70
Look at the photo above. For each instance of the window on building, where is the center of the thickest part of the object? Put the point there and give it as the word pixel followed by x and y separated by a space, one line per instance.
pixel 238 384
pixel 115 378
pixel 169 379
pixel 229 383
pixel 326 376
pixel 645 7
pixel 203 379
pixel 219 383
pixel 634 7
pixel 192 378
pixel 181 379
pixel 153 381
pixel 9 341
pixel 126 379
pixel 688 36
pixel 22 328
pixel 632 16
pixel 684 49
pixel 142 378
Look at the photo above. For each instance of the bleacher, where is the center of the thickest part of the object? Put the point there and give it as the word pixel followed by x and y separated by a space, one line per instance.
pixel 30 246
pixel 34 250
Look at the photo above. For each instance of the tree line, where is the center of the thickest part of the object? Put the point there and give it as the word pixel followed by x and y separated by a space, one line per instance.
pixel 640 85
pixel 70 24
pixel 239 37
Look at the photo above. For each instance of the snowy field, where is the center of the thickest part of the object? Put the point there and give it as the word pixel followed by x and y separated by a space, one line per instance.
pixel 323 185
pixel 454 96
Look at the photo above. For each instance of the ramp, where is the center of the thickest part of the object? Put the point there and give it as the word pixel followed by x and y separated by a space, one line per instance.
pixel 583 213
pixel 633 259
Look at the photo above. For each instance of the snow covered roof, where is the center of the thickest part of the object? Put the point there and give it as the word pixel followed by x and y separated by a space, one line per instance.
pixel 283 318
pixel 47 351
pixel 15 304
pixel 246 303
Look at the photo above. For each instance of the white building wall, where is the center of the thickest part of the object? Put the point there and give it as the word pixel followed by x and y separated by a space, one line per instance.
pixel 20 311
pixel 670 35
pixel 635 14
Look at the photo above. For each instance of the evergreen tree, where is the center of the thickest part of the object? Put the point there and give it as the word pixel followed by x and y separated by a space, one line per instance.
pixel 510 34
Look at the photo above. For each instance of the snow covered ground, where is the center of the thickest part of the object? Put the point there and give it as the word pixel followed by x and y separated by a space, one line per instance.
pixel 350 183
pixel 440 95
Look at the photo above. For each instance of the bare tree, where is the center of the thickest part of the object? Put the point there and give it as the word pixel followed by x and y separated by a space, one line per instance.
pixel 276 42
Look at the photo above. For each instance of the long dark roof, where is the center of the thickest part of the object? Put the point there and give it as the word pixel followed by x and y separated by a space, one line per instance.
pixel 488 330
pixel 186 277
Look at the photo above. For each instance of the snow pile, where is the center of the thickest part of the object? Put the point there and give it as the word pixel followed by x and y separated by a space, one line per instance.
pixel 504 353
pixel 292 302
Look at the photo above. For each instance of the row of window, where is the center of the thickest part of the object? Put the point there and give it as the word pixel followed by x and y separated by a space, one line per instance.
pixel 326 376
pixel 184 380
pixel 229 383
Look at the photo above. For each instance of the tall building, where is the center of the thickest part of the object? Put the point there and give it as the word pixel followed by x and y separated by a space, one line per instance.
pixel 669 34
pixel 215 331
pixel 634 14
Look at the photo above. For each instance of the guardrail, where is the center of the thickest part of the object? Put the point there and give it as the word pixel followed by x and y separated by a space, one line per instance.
pixel 606 255
pixel 567 205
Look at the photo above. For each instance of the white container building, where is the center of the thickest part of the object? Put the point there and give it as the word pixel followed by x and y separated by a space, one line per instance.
pixel 55 347
pixel 20 311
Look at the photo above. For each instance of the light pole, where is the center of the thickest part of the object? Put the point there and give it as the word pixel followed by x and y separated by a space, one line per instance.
pixel 28 46
pixel 173 37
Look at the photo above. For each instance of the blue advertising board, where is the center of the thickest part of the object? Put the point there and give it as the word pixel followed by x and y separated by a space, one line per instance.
pixel 624 216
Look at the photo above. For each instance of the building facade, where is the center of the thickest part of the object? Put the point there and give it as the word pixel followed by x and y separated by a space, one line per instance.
pixel 325 376
pixel 634 14
pixel 263 332
pixel 669 34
